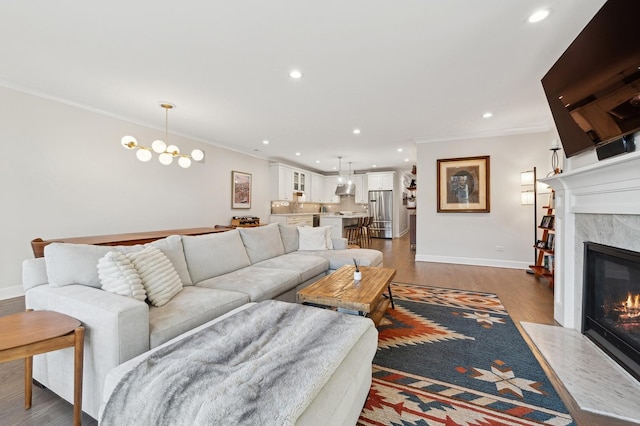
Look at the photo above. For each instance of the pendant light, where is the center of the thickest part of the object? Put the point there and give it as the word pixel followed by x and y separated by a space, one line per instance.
pixel 166 153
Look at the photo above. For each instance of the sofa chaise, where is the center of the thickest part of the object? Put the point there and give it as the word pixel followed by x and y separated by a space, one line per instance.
pixel 217 273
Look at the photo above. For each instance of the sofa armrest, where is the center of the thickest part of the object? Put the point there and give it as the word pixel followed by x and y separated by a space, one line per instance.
pixel 116 330
pixel 339 243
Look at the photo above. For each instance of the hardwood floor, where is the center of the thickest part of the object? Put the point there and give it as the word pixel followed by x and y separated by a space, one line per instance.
pixel 525 298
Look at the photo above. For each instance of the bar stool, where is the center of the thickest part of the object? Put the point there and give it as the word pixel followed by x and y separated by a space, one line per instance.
pixel 353 233
pixel 366 231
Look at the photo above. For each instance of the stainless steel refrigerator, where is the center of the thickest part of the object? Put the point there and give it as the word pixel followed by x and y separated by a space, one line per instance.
pixel 381 209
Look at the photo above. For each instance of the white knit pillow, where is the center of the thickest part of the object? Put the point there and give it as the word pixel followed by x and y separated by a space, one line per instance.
pixel 159 277
pixel 118 275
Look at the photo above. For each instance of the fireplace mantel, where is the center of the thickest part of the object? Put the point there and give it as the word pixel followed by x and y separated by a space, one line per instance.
pixel 610 187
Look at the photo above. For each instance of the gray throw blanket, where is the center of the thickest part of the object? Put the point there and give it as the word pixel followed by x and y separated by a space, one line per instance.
pixel 261 366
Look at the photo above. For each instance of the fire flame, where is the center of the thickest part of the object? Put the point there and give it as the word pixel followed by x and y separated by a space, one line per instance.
pixel 632 302
pixel 630 308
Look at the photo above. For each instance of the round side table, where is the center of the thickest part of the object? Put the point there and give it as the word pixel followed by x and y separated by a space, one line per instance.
pixel 29 333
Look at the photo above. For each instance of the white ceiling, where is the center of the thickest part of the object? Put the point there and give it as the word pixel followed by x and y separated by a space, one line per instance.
pixel 402 71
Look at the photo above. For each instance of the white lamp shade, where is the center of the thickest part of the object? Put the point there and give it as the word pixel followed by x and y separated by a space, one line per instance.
pixel 526 198
pixel 526 178
pixel 159 146
pixel 129 142
pixel 173 149
pixel 184 162
pixel 197 155
pixel 165 159
pixel 143 155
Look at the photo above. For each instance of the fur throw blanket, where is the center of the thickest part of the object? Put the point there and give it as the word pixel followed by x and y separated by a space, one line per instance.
pixel 261 366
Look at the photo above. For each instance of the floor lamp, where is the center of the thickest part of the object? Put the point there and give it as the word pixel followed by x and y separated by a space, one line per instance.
pixel 528 197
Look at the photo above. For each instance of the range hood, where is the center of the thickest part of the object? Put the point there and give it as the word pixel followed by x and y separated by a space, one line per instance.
pixel 346 189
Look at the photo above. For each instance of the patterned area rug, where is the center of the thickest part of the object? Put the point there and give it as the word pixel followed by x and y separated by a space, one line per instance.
pixel 454 357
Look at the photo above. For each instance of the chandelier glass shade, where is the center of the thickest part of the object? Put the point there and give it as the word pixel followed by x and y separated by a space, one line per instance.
pixel 166 153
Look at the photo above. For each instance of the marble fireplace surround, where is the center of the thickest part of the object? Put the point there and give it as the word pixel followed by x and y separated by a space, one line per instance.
pixel 600 203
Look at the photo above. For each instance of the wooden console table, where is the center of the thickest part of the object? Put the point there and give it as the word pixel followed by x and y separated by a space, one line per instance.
pixel 134 238
pixel 30 333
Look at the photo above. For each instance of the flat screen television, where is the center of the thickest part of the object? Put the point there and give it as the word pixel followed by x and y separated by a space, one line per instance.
pixel 593 89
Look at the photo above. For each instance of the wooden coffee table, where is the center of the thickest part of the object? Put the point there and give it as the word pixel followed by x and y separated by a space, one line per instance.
pixel 340 290
pixel 31 333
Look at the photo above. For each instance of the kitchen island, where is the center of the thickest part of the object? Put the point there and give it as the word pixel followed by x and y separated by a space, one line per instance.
pixel 337 222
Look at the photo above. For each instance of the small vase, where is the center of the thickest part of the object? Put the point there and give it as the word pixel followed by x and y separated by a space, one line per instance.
pixel 357 275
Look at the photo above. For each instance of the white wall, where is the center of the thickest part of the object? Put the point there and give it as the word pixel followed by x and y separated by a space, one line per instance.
pixel 65 174
pixel 471 238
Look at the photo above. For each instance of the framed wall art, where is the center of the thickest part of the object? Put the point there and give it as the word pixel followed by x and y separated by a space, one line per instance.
pixel 240 190
pixel 463 185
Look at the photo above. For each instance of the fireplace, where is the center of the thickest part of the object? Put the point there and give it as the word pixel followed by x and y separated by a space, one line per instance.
pixel 611 299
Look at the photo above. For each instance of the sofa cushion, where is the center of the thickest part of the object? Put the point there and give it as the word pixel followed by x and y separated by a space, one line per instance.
pixel 289 235
pixel 338 258
pixel 257 282
pixel 308 266
pixel 192 307
pixel 216 254
pixel 314 238
pixel 118 275
pixel 262 242
pixel 158 276
pixel 171 246
pixel 77 263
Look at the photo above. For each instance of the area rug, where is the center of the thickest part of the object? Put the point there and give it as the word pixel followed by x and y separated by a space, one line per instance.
pixel 455 357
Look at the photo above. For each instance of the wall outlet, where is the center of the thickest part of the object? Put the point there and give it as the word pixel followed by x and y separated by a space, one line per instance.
pixel 499 248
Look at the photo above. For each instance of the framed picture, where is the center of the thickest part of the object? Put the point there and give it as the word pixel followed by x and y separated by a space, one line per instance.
pixel 463 185
pixel 547 222
pixel 240 190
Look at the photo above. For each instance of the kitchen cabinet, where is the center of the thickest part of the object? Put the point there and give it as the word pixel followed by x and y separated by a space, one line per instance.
pixel 362 191
pixel 299 180
pixel 285 180
pixel 330 184
pixel 380 181
pixel 316 187
pixel 298 219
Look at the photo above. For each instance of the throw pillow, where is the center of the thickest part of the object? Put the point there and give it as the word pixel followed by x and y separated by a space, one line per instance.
pixel 172 247
pixel 118 275
pixel 312 238
pixel 158 276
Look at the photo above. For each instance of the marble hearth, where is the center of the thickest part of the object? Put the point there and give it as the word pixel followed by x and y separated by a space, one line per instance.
pixel 600 203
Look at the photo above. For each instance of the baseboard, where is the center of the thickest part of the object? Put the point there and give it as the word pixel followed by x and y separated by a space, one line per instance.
pixel 495 263
pixel 11 292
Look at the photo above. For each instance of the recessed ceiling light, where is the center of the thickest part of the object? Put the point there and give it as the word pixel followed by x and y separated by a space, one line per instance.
pixel 295 74
pixel 406 160
pixel 335 168
pixel 298 154
pixel 356 131
pixel 266 142
pixel 538 16
pixel 487 115
pixel 373 165
pixel 317 161
pixel 399 149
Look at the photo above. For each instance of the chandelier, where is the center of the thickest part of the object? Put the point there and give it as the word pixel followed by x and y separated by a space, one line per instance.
pixel 166 153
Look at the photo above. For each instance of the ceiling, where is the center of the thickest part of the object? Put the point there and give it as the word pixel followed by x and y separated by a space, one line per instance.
pixel 403 72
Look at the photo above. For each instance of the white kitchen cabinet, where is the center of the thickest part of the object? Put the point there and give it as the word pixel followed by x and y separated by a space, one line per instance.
pixel 281 182
pixel 330 184
pixel 299 180
pixel 362 191
pixel 316 189
pixel 378 181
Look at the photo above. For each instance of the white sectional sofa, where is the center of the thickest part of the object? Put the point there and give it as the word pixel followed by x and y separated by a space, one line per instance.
pixel 219 273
